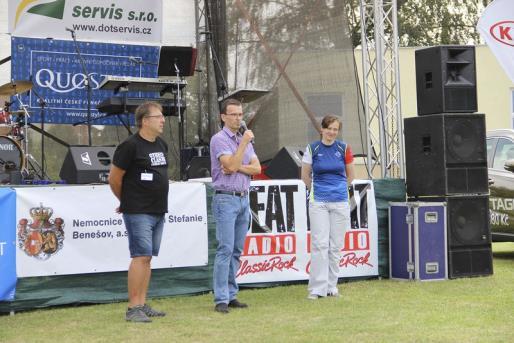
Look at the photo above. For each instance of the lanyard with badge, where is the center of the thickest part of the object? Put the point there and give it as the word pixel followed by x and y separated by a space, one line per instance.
pixel 145 176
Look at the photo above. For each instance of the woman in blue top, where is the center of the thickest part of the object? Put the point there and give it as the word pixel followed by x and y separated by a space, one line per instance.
pixel 327 169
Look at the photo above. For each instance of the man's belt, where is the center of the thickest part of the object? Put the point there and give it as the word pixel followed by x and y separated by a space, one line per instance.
pixel 237 194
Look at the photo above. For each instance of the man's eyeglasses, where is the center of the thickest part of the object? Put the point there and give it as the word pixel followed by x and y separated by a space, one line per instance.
pixel 234 114
pixel 160 116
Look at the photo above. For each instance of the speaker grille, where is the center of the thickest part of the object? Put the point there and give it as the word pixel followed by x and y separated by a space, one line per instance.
pixel 470 262
pixel 465 139
pixel 468 221
pixel 467 180
pixel 462 99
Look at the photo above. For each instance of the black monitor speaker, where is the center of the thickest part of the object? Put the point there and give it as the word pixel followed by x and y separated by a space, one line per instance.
pixel 87 164
pixel 199 167
pixel 286 164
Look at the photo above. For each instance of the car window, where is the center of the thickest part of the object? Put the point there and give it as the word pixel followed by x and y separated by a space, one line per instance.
pixel 504 152
pixel 491 143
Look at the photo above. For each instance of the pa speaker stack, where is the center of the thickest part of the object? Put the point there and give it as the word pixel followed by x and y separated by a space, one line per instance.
pixel 446 157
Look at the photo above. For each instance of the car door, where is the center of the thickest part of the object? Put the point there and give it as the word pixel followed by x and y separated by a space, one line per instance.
pixel 501 186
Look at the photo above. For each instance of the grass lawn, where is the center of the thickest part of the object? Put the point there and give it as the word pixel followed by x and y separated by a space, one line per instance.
pixel 463 310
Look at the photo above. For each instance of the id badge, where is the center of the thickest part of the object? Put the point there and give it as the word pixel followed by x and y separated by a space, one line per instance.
pixel 146 177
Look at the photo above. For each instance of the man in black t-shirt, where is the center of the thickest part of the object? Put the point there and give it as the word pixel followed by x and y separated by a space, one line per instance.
pixel 139 179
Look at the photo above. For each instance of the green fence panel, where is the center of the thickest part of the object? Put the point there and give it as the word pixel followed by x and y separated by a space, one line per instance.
pixel 386 190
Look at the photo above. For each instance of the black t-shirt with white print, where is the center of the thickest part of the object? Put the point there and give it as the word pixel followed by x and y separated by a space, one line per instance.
pixel 145 183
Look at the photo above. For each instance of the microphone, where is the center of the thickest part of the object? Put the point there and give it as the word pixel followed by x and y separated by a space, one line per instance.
pixel 177 71
pixel 244 128
pixel 70 30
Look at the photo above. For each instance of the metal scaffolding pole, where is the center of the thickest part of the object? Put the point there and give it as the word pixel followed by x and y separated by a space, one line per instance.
pixel 204 69
pixel 201 65
pixel 381 86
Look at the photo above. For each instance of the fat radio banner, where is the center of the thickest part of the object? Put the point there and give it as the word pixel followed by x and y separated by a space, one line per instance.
pixel 59 78
pixel 277 246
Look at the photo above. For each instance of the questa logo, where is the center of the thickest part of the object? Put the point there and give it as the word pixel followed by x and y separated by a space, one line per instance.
pixel 53 9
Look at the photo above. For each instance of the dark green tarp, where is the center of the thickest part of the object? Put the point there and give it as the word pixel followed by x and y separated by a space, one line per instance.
pixel 386 190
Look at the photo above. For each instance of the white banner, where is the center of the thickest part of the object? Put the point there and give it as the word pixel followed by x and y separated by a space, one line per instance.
pixel 75 230
pixel 496 26
pixel 277 246
pixel 94 20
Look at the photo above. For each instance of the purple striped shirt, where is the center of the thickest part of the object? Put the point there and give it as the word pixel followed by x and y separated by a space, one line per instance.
pixel 226 142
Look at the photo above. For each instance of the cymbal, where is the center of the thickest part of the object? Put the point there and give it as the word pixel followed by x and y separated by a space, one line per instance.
pixel 15 87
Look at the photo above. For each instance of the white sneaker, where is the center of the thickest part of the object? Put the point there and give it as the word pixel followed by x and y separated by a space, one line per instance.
pixel 333 294
pixel 313 297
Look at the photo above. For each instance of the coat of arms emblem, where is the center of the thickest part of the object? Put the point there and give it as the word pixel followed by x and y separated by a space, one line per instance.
pixel 40 236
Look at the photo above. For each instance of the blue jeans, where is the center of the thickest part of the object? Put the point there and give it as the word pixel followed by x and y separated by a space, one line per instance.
pixel 232 215
pixel 144 233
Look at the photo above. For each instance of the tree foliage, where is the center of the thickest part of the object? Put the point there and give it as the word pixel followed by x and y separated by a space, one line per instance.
pixel 427 22
pixel 290 26
pixel 435 22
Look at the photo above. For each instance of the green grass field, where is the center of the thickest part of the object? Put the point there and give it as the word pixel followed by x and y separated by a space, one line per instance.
pixel 463 310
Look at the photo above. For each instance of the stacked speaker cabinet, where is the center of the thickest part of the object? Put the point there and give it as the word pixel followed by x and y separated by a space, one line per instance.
pixel 446 154
pixel 446 157
pixel 446 79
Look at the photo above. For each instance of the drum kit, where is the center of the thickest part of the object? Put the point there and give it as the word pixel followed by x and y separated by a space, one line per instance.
pixel 13 134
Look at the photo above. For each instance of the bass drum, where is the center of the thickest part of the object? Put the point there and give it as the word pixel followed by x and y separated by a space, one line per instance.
pixel 11 158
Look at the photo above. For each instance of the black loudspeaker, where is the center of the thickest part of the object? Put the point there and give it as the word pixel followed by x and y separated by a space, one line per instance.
pixel 446 79
pixel 199 167
pixel 468 221
pixel 446 154
pixel 469 235
pixel 465 262
pixel 187 154
pixel 87 164
pixel 286 164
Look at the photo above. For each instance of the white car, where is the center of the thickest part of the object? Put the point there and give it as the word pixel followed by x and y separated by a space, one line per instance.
pixel 500 162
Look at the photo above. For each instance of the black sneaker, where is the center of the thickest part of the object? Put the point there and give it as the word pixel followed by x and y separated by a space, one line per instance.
pixel 150 312
pixel 221 308
pixel 236 304
pixel 137 315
